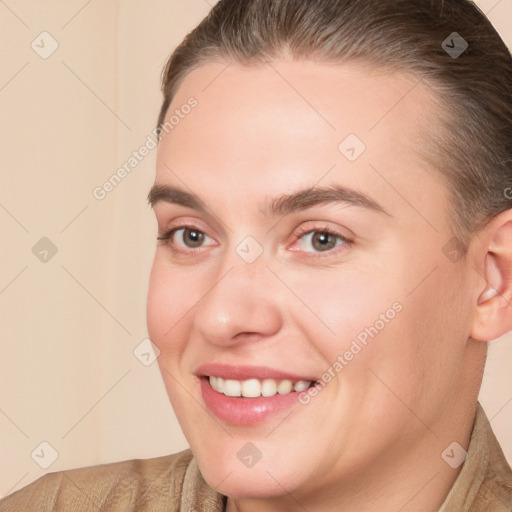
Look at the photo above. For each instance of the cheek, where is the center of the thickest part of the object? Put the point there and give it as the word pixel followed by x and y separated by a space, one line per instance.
pixel 168 302
pixel 362 321
pixel 158 302
pixel 344 304
pixel 419 354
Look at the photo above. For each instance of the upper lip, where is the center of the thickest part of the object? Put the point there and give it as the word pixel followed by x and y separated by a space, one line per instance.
pixel 244 372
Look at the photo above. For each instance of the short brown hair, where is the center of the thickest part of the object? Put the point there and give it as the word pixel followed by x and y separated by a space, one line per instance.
pixel 473 148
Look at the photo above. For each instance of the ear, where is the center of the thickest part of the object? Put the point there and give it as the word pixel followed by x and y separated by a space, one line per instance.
pixel 493 309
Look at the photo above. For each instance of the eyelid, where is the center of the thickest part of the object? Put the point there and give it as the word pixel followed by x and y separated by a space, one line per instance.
pixel 321 226
pixel 182 223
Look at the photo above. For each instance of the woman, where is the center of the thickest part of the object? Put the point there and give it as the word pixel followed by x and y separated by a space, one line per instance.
pixel 334 252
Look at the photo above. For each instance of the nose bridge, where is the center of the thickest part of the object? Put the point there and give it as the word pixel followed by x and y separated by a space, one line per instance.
pixel 238 300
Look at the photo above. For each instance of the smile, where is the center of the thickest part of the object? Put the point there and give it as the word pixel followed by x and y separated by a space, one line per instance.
pixel 245 395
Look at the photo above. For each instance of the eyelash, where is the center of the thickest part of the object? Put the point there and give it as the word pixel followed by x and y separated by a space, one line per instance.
pixel 167 236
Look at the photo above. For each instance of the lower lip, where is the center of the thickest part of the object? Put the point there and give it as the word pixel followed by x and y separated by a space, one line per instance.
pixel 245 411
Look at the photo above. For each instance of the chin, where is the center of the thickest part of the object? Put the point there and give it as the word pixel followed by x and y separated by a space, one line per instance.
pixel 248 485
pixel 227 474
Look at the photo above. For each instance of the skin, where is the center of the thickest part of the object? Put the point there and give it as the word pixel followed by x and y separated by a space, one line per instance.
pixel 372 438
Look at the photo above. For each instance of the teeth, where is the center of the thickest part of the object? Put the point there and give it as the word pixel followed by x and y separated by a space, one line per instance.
pixel 284 387
pixel 232 388
pixel 253 388
pixel 301 385
pixel 269 387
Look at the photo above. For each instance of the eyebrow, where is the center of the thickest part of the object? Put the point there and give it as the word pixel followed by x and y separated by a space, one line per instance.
pixel 282 205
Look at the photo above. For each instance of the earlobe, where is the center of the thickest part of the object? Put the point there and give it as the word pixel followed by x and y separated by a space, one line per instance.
pixel 493 310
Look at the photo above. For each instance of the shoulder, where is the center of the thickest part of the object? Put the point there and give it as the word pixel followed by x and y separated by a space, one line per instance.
pixel 485 480
pixel 495 490
pixel 137 484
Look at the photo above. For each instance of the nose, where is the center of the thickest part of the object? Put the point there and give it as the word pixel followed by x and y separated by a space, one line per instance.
pixel 240 306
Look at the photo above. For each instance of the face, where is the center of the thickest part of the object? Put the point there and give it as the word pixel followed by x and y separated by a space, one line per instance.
pixel 299 254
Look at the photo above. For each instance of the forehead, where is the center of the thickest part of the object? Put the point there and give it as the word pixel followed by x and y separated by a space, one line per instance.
pixel 280 124
pixel 352 95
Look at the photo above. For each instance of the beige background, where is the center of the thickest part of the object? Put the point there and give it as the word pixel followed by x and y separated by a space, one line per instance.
pixel 70 325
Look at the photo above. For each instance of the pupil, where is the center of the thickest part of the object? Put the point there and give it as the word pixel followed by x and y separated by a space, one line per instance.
pixel 195 237
pixel 323 240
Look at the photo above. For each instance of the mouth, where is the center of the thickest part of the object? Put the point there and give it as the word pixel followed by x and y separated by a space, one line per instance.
pixel 249 395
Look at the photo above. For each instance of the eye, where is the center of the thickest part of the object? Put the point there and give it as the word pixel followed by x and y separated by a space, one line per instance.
pixel 320 240
pixel 186 239
pixel 181 238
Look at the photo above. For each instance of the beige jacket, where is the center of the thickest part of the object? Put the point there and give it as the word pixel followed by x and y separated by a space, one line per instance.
pixel 173 483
